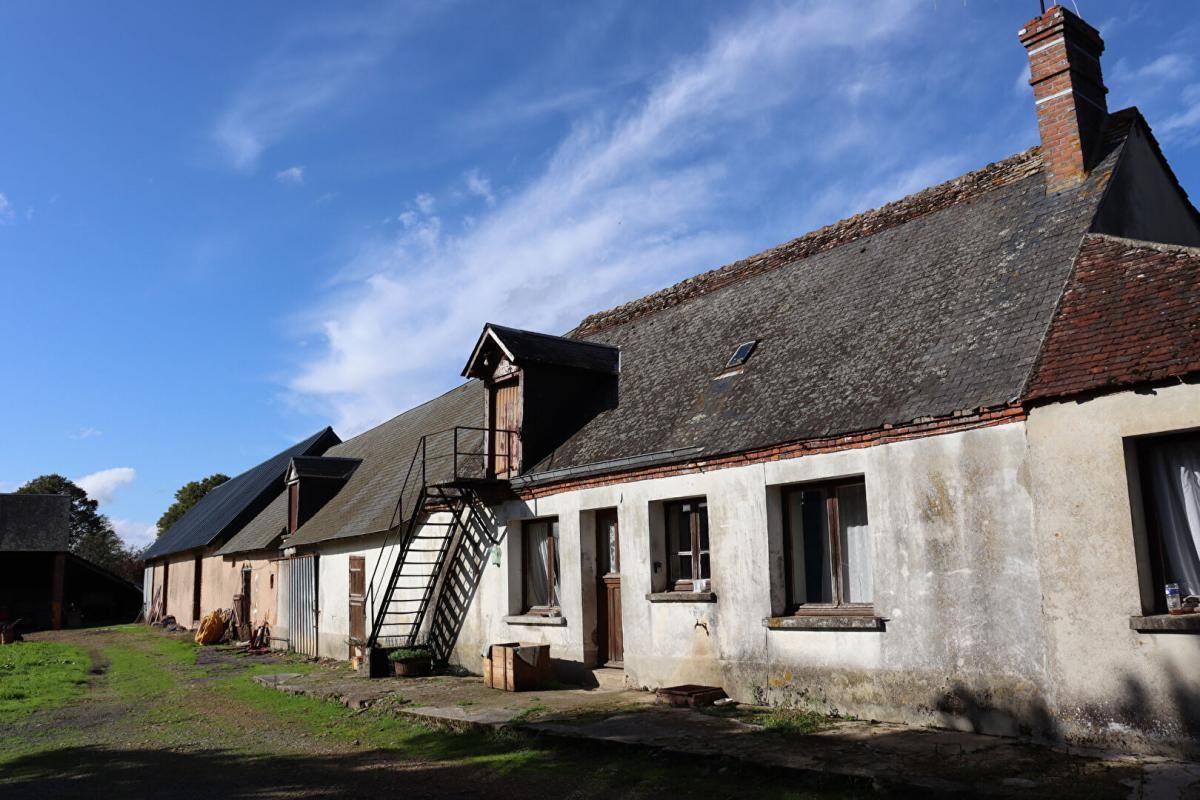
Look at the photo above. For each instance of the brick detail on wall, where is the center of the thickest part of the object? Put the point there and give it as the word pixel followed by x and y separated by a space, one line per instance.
pixel 1130 316
pixel 1069 93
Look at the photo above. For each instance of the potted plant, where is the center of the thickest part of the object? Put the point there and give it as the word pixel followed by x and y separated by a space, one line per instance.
pixel 411 662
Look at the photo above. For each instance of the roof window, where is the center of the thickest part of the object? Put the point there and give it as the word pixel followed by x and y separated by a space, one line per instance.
pixel 742 354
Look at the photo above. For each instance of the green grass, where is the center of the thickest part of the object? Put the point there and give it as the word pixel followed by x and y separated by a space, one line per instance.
pixel 779 721
pixel 36 675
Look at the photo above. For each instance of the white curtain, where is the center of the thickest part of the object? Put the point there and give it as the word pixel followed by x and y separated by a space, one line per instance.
pixel 1171 471
pixel 855 537
pixel 537 570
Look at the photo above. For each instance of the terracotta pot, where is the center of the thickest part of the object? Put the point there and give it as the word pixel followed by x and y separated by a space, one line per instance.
pixel 413 667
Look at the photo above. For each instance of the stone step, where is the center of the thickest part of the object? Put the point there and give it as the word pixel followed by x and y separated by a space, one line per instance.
pixel 609 678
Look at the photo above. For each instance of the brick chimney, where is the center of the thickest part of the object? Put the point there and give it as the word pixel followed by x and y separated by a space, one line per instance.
pixel 1068 91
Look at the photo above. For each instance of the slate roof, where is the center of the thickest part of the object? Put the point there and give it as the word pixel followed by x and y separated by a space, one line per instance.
pixel 261 532
pixel 271 523
pixel 225 509
pixel 368 500
pixel 542 348
pixel 1130 315
pixel 34 522
pixel 931 305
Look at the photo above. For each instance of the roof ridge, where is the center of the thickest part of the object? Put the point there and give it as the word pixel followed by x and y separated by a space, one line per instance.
pixel 866 223
pixel 1146 244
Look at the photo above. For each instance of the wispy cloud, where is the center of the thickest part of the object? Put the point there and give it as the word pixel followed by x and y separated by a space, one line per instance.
pixel 7 212
pixel 135 533
pixel 291 175
pixel 84 433
pixel 102 485
pixel 479 185
pixel 624 203
pixel 308 73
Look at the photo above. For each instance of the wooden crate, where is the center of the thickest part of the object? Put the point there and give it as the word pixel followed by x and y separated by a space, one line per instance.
pixel 516 666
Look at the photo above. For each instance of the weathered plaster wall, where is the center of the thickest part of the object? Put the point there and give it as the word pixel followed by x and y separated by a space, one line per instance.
pixel 955 575
pixel 179 586
pixel 1112 685
pixel 333 589
pixel 222 579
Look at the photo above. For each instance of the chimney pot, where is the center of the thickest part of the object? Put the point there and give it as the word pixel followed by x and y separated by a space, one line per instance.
pixel 1068 92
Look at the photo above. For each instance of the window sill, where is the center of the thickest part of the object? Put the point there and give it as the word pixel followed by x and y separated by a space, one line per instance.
pixel 1166 623
pixel 682 597
pixel 825 622
pixel 536 619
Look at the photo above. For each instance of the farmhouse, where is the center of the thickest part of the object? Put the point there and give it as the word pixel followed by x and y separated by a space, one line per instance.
pixel 934 463
pixel 187 576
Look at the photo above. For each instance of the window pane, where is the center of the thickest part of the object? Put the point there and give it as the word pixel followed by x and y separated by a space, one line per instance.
pixel 557 572
pixel 1171 474
pixel 814 563
pixel 537 588
pixel 855 536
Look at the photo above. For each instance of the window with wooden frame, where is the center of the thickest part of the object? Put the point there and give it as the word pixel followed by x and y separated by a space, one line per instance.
pixel 827 549
pixel 539 566
pixel 687 543
pixel 1169 471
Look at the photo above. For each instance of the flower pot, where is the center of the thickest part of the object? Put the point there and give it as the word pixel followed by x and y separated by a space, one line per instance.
pixel 413 667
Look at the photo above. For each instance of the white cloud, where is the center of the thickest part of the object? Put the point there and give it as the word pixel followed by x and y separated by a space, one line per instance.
pixel 84 433
pixel 622 205
pixel 479 185
pixel 102 485
pixel 134 533
pixel 7 212
pixel 292 175
pixel 308 73
pixel 1171 66
pixel 425 203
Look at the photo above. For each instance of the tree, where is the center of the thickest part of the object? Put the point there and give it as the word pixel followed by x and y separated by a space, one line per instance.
pixel 90 534
pixel 86 520
pixel 187 496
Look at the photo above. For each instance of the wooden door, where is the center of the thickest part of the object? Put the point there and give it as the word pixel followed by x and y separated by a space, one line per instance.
pixel 608 580
pixel 166 585
pixel 358 600
pixel 505 415
pixel 197 574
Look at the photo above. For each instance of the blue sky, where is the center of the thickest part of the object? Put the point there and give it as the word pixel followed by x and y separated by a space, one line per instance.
pixel 223 227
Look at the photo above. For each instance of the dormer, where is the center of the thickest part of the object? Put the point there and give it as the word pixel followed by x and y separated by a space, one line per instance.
pixel 541 389
pixel 312 481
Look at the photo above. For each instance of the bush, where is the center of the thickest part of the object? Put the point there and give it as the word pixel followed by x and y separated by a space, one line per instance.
pixel 405 653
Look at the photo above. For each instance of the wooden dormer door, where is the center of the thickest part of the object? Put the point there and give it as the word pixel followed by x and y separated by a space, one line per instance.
pixel 505 425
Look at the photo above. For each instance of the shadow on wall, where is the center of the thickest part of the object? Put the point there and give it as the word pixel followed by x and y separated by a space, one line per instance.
pixel 1157 709
pixel 462 574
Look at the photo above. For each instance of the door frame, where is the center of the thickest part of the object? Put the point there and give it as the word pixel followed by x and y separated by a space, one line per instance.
pixel 608 593
pixel 357 600
pixel 512 437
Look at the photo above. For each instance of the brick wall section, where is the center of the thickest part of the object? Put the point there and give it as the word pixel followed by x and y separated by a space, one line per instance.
pixel 1130 315
pixel 960 190
pixel 918 429
pixel 1068 88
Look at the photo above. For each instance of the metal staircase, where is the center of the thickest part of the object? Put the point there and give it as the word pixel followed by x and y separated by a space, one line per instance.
pixel 433 551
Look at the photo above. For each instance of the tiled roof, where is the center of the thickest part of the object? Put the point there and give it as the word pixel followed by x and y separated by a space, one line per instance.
pixel 929 306
pixel 1130 315
pixel 224 510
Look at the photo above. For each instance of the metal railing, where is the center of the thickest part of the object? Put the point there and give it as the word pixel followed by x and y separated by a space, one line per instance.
pixel 442 458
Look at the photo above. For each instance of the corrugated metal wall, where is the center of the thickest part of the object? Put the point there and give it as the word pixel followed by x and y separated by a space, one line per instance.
pixel 302 604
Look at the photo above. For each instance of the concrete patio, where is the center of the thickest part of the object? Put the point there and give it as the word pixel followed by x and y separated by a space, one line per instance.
pixel 895 757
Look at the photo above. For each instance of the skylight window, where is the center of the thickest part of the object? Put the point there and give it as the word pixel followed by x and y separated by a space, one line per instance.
pixel 742 354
